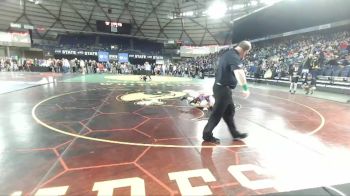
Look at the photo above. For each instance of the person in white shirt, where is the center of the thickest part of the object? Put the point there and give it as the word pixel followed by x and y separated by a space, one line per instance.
pixel 148 69
pixel 163 69
pixel 82 66
pixel 174 70
pixel 65 65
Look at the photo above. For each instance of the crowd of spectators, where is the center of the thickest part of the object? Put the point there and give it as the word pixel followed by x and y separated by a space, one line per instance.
pixel 80 66
pixel 315 52
pixel 320 53
pixel 203 65
pixel 8 64
pixel 198 66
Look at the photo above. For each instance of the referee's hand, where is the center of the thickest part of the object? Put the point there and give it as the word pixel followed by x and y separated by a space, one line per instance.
pixel 246 94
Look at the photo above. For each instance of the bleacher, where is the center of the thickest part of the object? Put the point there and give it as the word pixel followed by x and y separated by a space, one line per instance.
pixel 107 41
pixel 104 42
pixel 146 46
pixel 77 41
pixel 330 78
pixel 326 54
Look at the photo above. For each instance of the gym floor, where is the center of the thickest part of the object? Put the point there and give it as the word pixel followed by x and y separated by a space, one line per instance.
pixel 91 135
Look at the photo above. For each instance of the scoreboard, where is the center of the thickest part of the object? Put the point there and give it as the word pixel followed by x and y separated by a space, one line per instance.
pixel 113 27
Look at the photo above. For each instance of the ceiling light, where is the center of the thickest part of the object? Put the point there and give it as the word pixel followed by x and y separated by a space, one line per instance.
pixel 237 7
pixel 189 13
pixel 269 2
pixel 217 9
pixel 254 3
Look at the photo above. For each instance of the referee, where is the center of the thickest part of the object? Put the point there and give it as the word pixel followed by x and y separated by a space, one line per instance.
pixel 229 72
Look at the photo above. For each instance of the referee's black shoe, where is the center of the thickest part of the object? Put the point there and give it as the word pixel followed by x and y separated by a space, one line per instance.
pixel 211 139
pixel 238 136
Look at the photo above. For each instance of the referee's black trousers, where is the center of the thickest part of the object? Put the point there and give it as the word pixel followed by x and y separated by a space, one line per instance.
pixel 223 107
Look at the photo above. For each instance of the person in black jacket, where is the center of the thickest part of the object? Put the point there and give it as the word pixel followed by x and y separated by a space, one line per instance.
pixel 294 77
pixel 229 73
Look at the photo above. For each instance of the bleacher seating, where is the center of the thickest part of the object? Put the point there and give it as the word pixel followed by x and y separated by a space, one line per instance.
pixel 325 53
pixel 345 72
pixel 104 42
pixel 122 42
pixel 147 46
pixel 77 39
pixel 336 71
pixel 328 71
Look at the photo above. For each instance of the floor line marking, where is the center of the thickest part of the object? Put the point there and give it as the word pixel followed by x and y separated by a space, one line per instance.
pixel 156 145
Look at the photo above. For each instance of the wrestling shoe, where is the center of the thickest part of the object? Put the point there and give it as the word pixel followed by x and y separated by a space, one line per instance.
pixel 211 139
pixel 238 136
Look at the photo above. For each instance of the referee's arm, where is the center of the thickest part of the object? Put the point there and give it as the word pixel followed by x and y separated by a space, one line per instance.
pixel 242 80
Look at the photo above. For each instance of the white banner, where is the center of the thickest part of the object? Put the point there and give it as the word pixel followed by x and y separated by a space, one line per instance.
pixel 195 51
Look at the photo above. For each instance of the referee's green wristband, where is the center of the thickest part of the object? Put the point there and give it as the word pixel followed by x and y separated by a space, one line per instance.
pixel 245 87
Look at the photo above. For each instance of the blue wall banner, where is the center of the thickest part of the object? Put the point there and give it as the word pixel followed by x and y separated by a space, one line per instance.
pixel 103 56
pixel 123 57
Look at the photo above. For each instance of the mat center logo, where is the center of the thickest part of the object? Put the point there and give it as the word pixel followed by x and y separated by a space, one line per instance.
pixel 151 97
